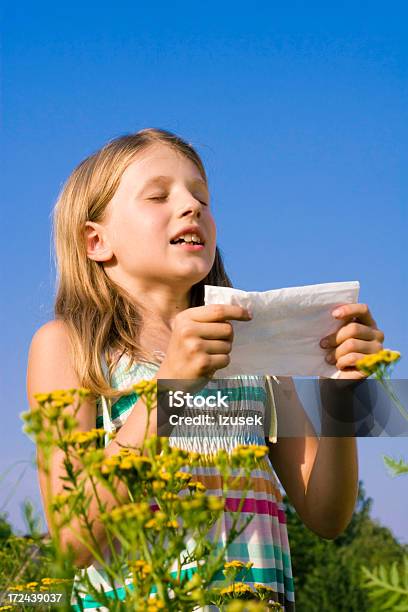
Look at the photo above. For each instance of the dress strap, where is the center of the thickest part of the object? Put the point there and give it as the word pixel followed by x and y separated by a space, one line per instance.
pixel 273 429
pixel 106 404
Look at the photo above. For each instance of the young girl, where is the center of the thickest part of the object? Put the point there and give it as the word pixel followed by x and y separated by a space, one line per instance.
pixel 135 242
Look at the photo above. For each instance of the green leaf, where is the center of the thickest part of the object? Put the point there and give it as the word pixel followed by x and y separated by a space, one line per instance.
pixel 379 592
pixel 394 576
pixel 391 601
pixel 405 574
pixel 396 467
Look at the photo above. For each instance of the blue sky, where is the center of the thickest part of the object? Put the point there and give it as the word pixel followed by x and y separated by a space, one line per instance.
pixel 299 111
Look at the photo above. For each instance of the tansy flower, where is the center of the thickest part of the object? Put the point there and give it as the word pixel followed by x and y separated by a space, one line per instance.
pixel 235 564
pixel 139 511
pixel 41 398
pixel 155 604
pixel 140 567
pixel 370 363
pixel 145 386
pixel 215 503
pixel 183 476
pixel 169 496
pixel 109 465
pixel 196 503
pixel 196 486
pixel 84 437
pixel 251 450
pixel 238 588
pixel 158 486
pixel 17 587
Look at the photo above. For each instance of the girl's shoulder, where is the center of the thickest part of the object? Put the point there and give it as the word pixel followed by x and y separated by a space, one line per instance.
pixel 52 331
pixel 50 347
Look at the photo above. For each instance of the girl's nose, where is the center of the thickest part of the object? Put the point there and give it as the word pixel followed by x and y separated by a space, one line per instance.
pixel 191 206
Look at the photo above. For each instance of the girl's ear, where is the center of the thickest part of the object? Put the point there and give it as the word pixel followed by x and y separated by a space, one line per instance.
pixel 97 243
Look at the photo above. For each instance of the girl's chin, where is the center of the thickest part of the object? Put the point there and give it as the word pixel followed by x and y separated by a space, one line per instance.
pixel 192 273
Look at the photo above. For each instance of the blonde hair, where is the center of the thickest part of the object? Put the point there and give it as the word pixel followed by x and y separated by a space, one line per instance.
pixel 101 317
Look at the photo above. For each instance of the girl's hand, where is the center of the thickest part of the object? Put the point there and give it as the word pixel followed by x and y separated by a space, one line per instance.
pixel 359 336
pixel 201 341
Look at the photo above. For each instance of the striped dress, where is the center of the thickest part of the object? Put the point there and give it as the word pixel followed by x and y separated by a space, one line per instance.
pixel 264 541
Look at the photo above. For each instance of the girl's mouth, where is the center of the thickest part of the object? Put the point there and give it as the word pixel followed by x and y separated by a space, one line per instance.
pixel 188 246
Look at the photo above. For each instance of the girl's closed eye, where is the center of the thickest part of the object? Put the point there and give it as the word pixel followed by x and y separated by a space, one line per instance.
pixel 164 197
pixel 158 198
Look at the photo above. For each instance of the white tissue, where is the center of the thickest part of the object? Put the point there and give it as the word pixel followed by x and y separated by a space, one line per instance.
pixel 282 339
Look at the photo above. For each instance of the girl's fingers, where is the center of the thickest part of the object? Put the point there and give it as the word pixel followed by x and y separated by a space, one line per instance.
pixel 349 360
pixel 218 362
pixel 217 347
pixel 214 331
pixel 352 330
pixel 358 312
pixel 216 312
pixel 353 346
pixel 352 374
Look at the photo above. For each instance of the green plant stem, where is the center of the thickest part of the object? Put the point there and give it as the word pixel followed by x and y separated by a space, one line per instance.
pixel 389 389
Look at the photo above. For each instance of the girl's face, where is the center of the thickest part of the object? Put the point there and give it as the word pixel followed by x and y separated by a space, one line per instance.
pixel 161 194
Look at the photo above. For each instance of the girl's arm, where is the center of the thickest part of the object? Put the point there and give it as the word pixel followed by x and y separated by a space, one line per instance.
pixel 193 352
pixel 50 368
pixel 320 476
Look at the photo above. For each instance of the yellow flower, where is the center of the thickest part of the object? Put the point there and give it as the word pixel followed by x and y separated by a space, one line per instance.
pixel 238 587
pixel 158 486
pixel 84 437
pixel 154 604
pixel 145 387
pixel 183 476
pixel 189 505
pixel 110 464
pixel 41 398
pixel 134 461
pixel 234 565
pixel 370 363
pixel 138 511
pixel 215 503
pixel 264 587
pixel 140 567
pixel 172 524
pixel 59 501
pixel 16 587
pixel 169 496
pixel 196 486
pixel 65 397
pixel 83 393
pixel 249 451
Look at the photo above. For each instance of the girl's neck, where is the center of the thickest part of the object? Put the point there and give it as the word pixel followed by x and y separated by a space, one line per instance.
pixel 158 322
pixel 160 308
